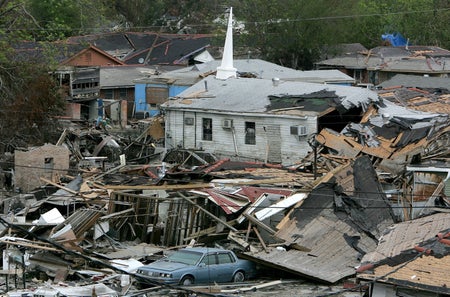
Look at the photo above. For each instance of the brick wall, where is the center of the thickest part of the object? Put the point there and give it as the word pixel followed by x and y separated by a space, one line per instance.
pixel 48 161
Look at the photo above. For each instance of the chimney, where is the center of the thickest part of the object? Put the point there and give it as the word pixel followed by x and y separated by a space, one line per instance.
pixel 226 69
pixel 275 81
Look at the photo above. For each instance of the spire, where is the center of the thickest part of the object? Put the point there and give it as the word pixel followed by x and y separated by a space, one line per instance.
pixel 226 69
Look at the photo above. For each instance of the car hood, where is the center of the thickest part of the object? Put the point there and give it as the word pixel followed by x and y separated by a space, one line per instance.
pixel 166 266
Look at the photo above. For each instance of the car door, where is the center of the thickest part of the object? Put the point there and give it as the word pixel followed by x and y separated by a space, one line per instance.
pixel 226 266
pixel 207 269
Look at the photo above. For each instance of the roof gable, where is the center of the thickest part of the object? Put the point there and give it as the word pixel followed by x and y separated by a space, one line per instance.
pixel 92 56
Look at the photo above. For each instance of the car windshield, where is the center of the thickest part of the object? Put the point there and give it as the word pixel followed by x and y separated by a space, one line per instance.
pixel 185 257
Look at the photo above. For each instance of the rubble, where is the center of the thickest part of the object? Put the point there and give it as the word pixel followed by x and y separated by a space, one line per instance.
pixel 121 204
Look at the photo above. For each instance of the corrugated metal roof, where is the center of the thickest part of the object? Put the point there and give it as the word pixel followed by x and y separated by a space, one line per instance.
pixel 252 95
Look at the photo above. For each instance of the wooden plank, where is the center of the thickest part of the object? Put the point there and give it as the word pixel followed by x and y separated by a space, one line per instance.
pixel 59 186
pixel 259 224
pixel 35 246
pixel 65 189
pixel 261 240
pixel 112 215
pixel 252 288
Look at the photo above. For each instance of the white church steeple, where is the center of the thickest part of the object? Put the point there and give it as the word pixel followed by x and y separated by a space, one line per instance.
pixel 226 69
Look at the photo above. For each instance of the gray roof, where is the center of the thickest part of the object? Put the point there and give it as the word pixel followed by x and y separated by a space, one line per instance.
pixel 251 95
pixel 417 81
pixel 255 67
pixel 426 65
pixel 121 76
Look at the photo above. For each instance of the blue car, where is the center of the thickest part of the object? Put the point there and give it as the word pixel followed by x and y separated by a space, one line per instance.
pixel 198 265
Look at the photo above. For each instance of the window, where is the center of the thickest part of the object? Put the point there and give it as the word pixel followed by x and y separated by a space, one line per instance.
pixel 358 75
pixel 225 258
pixel 109 93
pixel 209 260
pixel 189 121
pixel 207 129
pixel 123 93
pixel 49 164
pixel 250 135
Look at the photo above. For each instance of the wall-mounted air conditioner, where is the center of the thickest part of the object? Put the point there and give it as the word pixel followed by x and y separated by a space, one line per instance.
pixel 227 124
pixel 302 131
pixel 299 130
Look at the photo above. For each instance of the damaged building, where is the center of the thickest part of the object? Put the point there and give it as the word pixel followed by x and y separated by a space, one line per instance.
pixel 257 119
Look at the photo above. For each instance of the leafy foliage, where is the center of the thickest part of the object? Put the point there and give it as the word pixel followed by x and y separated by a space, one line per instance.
pixel 28 95
pixel 291 33
pixel 30 100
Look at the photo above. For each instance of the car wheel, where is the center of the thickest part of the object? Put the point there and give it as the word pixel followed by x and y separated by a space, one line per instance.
pixel 238 277
pixel 187 280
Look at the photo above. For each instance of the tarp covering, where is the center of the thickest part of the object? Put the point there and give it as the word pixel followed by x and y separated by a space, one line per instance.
pixel 395 39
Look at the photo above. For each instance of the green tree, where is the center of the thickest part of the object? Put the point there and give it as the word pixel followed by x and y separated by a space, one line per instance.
pixel 58 19
pixel 292 32
pixel 29 97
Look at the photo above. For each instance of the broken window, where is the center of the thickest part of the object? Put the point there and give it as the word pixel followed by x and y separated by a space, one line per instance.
pixel 49 164
pixel 207 129
pixel 250 135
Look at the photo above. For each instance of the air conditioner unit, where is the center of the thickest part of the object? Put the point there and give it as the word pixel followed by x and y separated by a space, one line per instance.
pixel 227 124
pixel 302 131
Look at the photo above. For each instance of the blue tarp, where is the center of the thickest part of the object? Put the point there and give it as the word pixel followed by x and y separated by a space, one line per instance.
pixel 396 39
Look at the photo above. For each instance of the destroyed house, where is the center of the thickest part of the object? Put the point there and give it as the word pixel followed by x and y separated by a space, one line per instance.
pixel 148 48
pixel 325 235
pixel 259 119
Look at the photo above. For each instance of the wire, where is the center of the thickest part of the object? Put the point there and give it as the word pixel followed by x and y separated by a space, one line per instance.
pixel 267 22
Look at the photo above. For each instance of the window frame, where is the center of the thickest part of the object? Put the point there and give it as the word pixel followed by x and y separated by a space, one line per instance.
pixel 207 129
pixel 250 133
